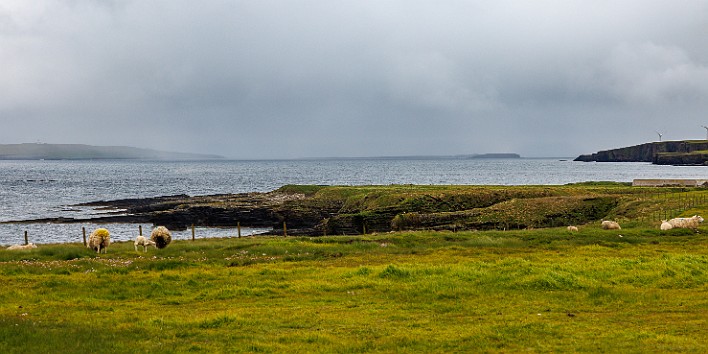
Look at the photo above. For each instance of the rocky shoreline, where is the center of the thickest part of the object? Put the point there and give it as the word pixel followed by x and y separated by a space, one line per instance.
pixel 181 211
pixel 322 210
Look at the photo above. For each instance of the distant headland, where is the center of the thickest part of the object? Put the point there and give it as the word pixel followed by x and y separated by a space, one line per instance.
pixel 680 153
pixel 38 151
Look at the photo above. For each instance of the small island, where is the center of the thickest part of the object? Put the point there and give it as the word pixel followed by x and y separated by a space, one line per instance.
pixel 496 155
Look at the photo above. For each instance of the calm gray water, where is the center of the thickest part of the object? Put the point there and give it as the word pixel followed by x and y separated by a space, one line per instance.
pixel 40 189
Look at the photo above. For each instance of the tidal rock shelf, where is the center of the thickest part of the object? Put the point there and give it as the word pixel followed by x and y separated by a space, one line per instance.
pixel 350 210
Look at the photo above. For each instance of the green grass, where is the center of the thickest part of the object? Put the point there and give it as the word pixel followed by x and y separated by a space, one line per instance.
pixel 440 207
pixel 632 290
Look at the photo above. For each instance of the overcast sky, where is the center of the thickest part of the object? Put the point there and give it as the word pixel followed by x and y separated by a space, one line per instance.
pixel 291 78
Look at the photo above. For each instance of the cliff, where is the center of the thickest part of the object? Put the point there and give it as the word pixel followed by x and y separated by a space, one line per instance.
pixel 684 152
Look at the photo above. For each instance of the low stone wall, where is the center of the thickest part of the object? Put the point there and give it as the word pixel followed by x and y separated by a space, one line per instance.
pixel 670 183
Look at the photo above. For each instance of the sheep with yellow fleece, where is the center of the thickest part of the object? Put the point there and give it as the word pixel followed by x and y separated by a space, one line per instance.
pixel 99 240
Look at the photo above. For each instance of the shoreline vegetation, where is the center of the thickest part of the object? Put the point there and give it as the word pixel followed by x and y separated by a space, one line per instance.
pixel 451 287
pixel 313 210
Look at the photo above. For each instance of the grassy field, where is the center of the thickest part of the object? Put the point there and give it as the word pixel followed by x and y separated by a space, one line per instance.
pixel 543 290
pixel 356 209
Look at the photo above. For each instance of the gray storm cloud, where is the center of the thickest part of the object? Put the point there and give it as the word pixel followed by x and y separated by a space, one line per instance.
pixel 272 79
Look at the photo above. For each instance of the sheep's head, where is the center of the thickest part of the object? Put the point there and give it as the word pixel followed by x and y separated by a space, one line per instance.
pixel 699 218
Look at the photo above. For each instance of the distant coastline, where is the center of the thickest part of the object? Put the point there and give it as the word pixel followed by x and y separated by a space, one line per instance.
pixel 423 157
pixel 41 151
pixel 38 151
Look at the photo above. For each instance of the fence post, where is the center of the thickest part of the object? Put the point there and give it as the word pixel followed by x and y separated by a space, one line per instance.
pixel 83 230
pixel 192 232
pixel 140 230
pixel 238 225
pixel 285 229
pixel 26 239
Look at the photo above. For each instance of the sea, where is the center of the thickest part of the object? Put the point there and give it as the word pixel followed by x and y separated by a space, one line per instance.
pixel 37 189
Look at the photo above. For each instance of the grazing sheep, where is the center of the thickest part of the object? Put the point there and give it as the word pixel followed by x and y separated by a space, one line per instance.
pixel 572 228
pixel 610 225
pixel 686 223
pixel 22 247
pixel 143 241
pixel 665 225
pixel 99 240
pixel 161 236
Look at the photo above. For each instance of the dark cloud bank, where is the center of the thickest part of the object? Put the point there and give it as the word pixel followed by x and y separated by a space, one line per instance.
pixel 281 79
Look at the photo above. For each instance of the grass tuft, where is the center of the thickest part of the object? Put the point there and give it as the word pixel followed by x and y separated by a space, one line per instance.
pixel 393 272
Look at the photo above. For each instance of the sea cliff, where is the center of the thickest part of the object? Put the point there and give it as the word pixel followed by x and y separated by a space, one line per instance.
pixel 684 152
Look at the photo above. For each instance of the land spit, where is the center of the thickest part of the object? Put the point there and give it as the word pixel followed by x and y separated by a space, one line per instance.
pixel 351 210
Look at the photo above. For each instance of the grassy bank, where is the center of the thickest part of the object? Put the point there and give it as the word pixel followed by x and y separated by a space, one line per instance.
pixel 353 210
pixel 358 209
pixel 633 290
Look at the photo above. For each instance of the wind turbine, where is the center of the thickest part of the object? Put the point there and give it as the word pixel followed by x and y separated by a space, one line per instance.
pixel 706 131
pixel 663 134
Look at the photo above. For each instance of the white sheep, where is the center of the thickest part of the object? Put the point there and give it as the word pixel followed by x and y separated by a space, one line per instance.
pixel 686 223
pixel 161 236
pixel 665 225
pixel 22 247
pixel 572 228
pixel 99 240
pixel 610 225
pixel 143 241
